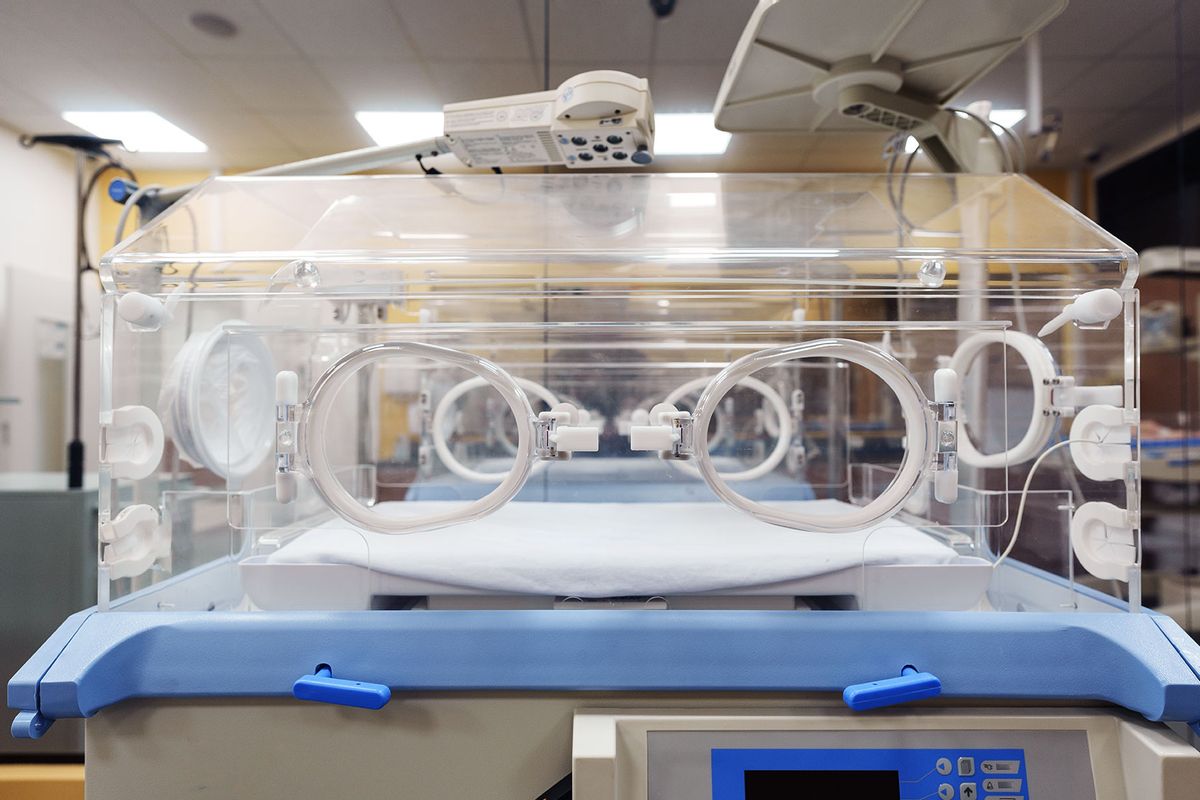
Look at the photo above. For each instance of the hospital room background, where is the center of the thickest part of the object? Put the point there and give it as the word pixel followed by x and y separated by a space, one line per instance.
pixel 851 200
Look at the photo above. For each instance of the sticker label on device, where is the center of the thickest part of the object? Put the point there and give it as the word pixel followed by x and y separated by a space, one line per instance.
pixel 1002 785
pixel 1001 767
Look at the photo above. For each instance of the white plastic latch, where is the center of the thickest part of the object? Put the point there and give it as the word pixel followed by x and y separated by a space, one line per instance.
pixel 131 442
pixel 1103 540
pixel 132 541
pixel 1100 437
pixel 563 430
pixel 1066 397
pixel 664 428
pixel 287 422
pixel 945 412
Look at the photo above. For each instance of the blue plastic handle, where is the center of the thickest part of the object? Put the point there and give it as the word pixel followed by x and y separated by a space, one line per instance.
pixel 30 725
pixel 911 685
pixel 324 688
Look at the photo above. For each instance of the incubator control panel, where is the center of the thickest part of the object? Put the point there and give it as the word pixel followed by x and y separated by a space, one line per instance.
pixel 876 773
pixel 976 764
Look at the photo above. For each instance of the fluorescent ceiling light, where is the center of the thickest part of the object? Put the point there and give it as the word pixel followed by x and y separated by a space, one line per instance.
pixel 1008 117
pixel 141 131
pixel 692 199
pixel 400 127
pixel 688 134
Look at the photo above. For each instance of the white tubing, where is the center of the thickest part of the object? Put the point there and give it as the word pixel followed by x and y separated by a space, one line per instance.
pixel 918 422
pixel 777 404
pixel 320 406
pixel 1041 370
pixel 439 423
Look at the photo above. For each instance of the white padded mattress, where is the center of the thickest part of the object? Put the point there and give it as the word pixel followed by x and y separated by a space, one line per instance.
pixel 611 549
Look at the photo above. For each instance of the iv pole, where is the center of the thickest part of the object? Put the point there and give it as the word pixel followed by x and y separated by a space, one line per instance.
pixel 85 149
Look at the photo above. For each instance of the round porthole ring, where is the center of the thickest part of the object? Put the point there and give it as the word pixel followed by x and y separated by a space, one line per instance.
pixel 319 407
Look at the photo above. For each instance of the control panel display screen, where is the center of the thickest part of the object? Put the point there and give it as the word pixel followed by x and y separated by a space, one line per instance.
pixel 951 773
pixel 781 784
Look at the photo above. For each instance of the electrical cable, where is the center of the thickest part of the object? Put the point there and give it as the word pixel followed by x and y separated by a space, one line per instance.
pixel 918 426
pixel 318 412
pixel 127 209
pixel 1025 491
pixel 1009 166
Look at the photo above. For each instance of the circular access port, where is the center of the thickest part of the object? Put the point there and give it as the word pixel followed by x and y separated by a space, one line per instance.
pixel 614 139
pixel 578 141
pixel 620 155
pixel 585 156
pixel 600 148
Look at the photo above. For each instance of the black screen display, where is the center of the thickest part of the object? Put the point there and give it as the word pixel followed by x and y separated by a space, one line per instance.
pixel 792 784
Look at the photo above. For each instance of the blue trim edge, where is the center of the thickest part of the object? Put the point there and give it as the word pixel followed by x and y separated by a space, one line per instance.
pixel 1137 661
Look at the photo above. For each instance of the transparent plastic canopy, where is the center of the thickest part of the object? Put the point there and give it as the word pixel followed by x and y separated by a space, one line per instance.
pixel 396 234
pixel 787 391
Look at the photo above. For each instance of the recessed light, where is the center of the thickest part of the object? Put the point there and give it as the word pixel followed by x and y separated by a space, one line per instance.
pixel 400 127
pixel 140 131
pixel 688 134
pixel 214 25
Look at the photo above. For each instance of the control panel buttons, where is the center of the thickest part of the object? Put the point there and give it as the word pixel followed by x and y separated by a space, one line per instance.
pixel 620 155
pixel 1000 767
pixel 600 148
pixel 1002 785
pixel 968 791
pixel 946 792
pixel 578 141
pixel 966 766
pixel 943 766
pixel 585 156
pixel 614 139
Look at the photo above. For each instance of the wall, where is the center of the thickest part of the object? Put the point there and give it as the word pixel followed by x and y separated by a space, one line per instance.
pixel 37 267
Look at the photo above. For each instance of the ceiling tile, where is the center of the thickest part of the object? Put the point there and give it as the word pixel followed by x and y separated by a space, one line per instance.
pixel 280 84
pixel 13 99
pixel 162 85
pixel 702 30
pixel 380 84
pixel 456 81
pixel 342 29
pixel 465 29
pixel 86 30
pixel 319 134
pixel 685 87
pixel 257 34
pixel 597 30
pixel 1099 27
pixel 1114 84
pixel 1156 40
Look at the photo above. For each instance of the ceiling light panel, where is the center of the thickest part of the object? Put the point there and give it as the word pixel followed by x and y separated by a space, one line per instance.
pixel 688 134
pixel 388 128
pixel 140 131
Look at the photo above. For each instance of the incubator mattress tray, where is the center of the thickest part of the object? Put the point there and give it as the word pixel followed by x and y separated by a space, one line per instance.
pixel 604 550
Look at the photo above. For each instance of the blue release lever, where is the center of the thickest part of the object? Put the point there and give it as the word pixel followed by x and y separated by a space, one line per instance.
pixel 911 685
pixel 322 687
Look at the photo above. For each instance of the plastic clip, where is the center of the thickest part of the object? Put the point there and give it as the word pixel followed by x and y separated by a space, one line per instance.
pixel 945 414
pixel 322 687
pixel 912 685
pixel 665 429
pixel 564 430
